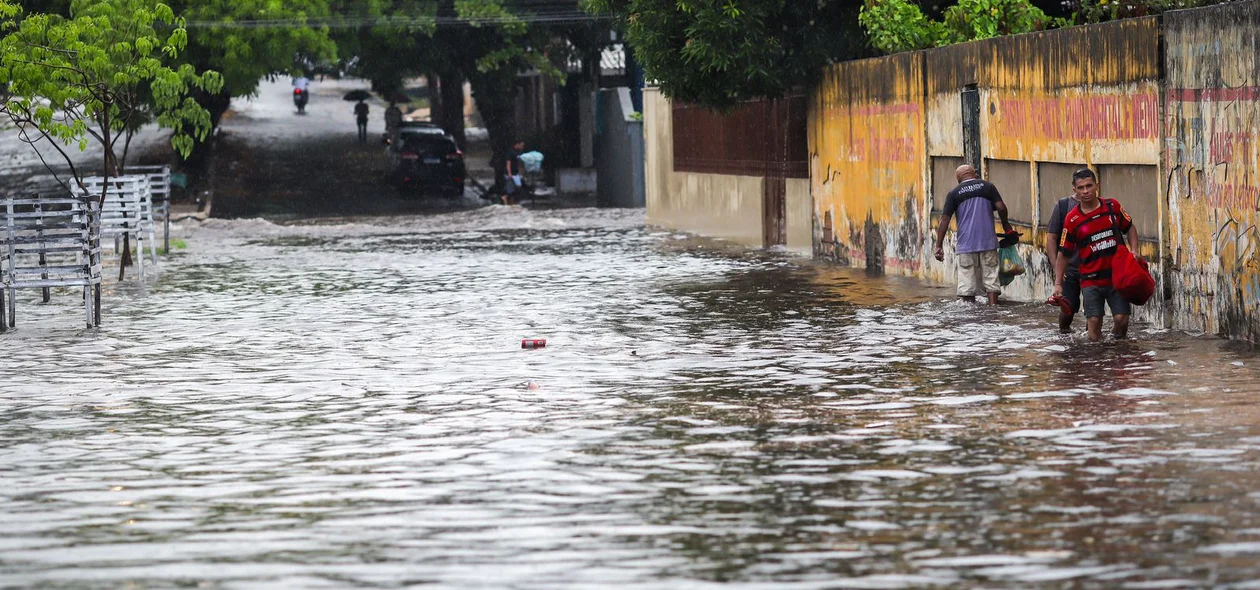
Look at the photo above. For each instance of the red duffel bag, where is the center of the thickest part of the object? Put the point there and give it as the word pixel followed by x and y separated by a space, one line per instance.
pixel 1130 275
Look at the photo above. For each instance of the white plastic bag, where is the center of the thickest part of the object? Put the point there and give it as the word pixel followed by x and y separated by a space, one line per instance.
pixel 532 161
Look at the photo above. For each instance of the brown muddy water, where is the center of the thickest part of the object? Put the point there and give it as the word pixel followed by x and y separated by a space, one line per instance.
pixel 346 404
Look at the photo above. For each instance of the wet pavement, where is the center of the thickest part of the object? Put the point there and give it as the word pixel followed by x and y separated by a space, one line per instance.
pixel 273 162
pixel 344 403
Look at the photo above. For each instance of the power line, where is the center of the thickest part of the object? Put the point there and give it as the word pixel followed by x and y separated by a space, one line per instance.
pixel 343 22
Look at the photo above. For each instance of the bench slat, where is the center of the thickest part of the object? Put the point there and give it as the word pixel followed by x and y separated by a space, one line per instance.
pixel 47 249
pixel 67 269
pixel 33 227
pixel 51 283
pixel 45 202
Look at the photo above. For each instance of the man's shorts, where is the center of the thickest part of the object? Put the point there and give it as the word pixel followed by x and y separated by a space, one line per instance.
pixel 1072 289
pixel 979 267
pixel 1094 297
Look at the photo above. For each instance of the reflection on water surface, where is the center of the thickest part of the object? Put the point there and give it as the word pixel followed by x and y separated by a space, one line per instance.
pixel 346 404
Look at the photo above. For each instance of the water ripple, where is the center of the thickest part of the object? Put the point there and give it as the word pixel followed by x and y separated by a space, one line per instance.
pixel 345 403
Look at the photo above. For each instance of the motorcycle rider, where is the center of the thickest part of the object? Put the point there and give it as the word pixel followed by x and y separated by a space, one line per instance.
pixel 301 92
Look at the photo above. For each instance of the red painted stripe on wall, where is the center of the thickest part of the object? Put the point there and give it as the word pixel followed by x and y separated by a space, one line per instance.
pixel 1213 94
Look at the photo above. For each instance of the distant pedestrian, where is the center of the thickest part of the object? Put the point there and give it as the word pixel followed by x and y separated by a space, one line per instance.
pixel 1072 279
pixel 393 121
pixel 1092 231
pixel 513 170
pixel 361 117
pixel 974 200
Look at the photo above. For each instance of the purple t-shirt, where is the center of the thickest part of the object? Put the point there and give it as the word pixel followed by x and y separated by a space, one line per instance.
pixel 974 201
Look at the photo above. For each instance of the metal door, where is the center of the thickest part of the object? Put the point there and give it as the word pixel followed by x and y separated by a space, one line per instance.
pixel 971 125
pixel 774 183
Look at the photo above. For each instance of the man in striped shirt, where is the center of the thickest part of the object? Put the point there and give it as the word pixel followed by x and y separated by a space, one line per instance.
pixel 1092 232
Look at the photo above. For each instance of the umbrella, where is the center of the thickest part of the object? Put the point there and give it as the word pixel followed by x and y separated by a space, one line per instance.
pixel 357 95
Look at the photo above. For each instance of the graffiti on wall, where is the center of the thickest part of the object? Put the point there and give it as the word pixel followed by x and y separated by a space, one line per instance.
pixel 1118 123
pixel 1058 118
pixel 869 183
pixel 1212 155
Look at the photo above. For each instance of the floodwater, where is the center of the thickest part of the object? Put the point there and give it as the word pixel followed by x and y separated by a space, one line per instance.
pixel 346 404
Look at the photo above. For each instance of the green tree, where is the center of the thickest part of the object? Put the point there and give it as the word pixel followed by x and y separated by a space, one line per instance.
pixel 94 76
pixel 70 80
pixel 900 25
pixel 484 42
pixel 1094 11
pixel 249 40
pixel 897 25
pixel 717 53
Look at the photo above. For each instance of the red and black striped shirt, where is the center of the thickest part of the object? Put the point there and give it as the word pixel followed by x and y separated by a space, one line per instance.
pixel 1092 236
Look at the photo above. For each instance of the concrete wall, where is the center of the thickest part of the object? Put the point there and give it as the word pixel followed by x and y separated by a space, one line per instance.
pixel 800 216
pixel 887 133
pixel 1212 155
pixel 867 162
pixel 620 164
pixel 718 205
pixel 1050 103
pixel 1166 111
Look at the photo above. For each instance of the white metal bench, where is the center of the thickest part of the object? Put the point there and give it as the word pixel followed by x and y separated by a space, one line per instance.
pixel 128 210
pixel 49 242
pixel 160 187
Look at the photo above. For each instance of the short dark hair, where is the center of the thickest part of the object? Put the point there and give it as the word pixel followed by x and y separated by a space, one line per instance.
pixel 1083 173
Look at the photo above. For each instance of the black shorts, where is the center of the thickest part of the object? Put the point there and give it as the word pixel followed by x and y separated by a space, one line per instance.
pixel 1094 297
pixel 1072 289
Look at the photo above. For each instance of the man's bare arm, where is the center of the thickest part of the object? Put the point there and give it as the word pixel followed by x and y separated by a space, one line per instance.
pixel 1002 214
pixel 1060 270
pixel 941 228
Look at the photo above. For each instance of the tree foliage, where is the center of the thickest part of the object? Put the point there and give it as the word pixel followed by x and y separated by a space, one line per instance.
pixel 718 53
pixel 231 37
pixel 900 25
pixel 1094 11
pixel 223 40
pixel 69 80
pixel 484 42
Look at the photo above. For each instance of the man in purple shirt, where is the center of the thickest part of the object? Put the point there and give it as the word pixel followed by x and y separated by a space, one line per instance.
pixel 974 200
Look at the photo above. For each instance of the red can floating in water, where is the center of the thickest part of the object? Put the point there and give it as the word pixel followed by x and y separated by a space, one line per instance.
pixel 531 343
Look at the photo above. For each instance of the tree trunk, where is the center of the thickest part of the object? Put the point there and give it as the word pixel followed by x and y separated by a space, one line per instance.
pixel 197 165
pixel 217 104
pixel 495 93
pixel 452 115
pixel 435 98
pixel 111 170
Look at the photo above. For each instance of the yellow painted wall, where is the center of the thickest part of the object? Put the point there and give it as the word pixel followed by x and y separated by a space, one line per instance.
pixel 1100 95
pixel 1212 156
pixel 867 159
pixel 1083 95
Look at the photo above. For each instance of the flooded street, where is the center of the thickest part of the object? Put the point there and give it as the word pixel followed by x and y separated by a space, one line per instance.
pixel 345 403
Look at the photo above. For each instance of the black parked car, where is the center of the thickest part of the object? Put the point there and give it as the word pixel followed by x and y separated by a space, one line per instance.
pixel 427 159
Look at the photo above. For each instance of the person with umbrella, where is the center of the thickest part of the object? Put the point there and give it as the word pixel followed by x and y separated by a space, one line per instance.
pixel 360 111
pixel 361 117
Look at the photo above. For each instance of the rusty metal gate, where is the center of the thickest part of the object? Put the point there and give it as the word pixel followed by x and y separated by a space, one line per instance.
pixel 765 138
pixel 774 185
